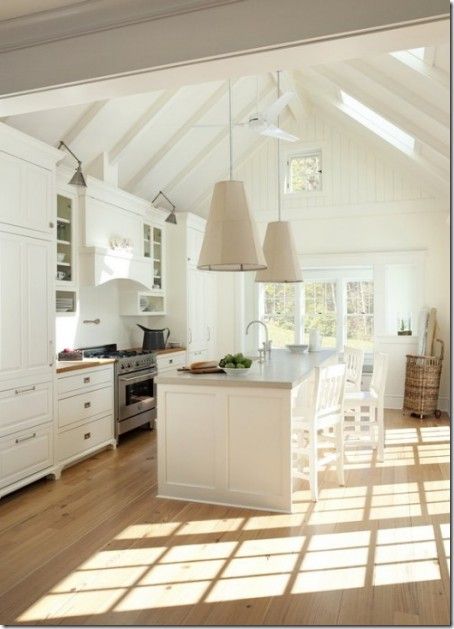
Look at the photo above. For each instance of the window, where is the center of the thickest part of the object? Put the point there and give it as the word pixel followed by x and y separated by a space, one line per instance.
pixel 376 123
pixel 279 312
pixel 304 172
pixel 360 315
pixel 320 311
pixel 338 302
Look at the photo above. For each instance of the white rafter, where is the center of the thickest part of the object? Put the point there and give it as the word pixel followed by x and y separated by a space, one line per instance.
pixel 82 123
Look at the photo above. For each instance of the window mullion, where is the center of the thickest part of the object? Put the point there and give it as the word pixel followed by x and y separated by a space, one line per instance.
pixel 340 314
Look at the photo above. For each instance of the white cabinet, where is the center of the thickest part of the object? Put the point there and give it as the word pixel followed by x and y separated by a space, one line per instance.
pixel 201 311
pixel 26 306
pixel 26 197
pixel 85 413
pixel 194 245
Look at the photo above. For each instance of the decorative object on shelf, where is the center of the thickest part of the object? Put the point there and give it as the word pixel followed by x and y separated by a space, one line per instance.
pixel 78 178
pixel 61 256
pixel 95 321
pixel 404 325
pixel 121 244
pixel 166 204
pixel 279 245
pixel 61 275
pixel 231 241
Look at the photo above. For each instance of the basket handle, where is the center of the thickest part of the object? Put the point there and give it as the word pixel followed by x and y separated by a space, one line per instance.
pixel 442 348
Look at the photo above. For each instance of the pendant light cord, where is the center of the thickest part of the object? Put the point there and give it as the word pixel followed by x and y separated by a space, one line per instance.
pixel 230 131
pixel 278 155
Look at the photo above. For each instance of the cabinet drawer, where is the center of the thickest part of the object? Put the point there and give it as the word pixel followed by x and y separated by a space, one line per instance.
pixel 23 406
pixel 85 405
pixel 166 362
pixel 24 453
pixel 84 379
pixel 78 440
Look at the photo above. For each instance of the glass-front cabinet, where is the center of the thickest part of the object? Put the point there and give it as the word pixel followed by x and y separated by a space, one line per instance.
pixel 153 248
pixel 66 299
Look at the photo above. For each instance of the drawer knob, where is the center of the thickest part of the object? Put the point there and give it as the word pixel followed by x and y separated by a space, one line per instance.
pixel 171 361
pixel 87 435
pixel 86 379
pixel 87 404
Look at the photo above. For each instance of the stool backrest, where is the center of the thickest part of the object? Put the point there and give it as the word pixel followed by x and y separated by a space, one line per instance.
pixel 329 390
pixel 378 381
pixel 354 361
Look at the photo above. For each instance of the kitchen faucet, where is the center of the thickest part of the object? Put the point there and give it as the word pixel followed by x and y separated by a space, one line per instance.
pixel 267 342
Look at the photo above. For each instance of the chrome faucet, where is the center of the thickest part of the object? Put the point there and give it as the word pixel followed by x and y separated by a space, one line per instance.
pixel 267 342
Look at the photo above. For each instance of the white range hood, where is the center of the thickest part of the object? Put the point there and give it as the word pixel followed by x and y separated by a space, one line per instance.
pixel 98 266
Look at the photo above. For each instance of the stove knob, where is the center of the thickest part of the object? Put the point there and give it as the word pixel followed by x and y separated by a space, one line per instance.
pixel 137 363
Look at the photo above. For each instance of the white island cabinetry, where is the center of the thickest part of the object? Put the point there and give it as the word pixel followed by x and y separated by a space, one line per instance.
pixel 227 439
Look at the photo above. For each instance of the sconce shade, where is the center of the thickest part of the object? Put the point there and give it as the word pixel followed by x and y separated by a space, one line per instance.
pixel 280 254
pixel 171 218
pixel 231 241
pixel 78 178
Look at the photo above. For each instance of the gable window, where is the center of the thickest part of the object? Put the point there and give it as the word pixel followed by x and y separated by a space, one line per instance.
pixel 304 172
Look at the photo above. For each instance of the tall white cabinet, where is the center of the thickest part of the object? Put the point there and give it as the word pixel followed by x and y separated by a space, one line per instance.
pixel 192 294
pixel 27 306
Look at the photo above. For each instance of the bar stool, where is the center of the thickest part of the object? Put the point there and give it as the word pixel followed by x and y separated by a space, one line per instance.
pixel 363 410
pixel 321 412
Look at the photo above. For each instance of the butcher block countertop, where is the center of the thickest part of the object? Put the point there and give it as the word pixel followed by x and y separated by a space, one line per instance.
pixel 86 363
pixel 169 350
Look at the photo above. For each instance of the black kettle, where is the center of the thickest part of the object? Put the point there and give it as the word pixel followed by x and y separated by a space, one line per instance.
pixel 154 339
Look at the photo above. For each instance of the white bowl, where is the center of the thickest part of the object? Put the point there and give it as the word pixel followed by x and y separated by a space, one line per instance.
pixel 297 349
pixel 235 372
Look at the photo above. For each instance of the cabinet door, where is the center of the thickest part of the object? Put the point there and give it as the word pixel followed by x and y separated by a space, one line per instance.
pixel 194 245
pixel 197 329
pixel 11 189
pixel 26 306
pixel 210 294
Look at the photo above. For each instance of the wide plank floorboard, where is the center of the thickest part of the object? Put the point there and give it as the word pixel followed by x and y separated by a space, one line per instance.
pixel 99 548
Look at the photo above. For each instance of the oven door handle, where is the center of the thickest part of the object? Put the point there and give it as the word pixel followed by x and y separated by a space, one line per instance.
pixel 141 378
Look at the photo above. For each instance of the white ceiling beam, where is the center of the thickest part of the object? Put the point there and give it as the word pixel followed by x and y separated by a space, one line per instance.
pixel 140 126
pixel 398 89
pixel 364 92
pixel 138 177
pixel 82 123
pixel 412 164
pixel 219 137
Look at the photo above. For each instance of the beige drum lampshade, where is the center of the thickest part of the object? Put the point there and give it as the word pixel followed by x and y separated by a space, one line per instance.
pixel 231 241
pixel 280 254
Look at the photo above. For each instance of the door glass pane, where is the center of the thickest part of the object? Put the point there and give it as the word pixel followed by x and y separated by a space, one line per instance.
pixel 360 315
pixel 320 311
pixel 279 313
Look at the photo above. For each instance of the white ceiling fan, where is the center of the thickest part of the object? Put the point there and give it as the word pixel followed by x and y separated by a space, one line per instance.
pixel 264 122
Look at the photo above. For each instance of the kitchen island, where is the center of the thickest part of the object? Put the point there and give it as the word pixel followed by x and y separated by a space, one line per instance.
pixel 227 439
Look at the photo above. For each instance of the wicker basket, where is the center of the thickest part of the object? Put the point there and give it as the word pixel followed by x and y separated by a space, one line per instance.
pixel 422 383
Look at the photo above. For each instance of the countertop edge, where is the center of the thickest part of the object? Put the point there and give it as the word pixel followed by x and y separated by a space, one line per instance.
pixel 83 364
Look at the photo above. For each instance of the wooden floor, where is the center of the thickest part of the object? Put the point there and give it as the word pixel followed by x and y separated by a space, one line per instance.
pixel 98 547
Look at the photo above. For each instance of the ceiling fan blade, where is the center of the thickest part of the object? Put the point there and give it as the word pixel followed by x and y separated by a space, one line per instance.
pixel 272 112
pixel 279 134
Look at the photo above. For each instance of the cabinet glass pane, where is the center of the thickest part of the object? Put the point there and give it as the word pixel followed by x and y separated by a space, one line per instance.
pixel 147 244
pixel 64 239
pixel 157 258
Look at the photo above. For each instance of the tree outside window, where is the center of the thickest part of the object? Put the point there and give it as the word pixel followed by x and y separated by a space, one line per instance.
pixel 305 172
pixel 360 315
pixel 279 313
pixel 321 311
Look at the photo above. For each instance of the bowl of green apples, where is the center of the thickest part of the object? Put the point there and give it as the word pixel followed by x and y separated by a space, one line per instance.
pixel 235 364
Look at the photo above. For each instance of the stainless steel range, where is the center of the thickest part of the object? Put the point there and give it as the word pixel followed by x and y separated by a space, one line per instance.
pixel 135 390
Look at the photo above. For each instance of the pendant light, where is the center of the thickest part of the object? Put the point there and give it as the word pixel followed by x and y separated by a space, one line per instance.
pixel 279 244
pixel 231 241
pixel 78 178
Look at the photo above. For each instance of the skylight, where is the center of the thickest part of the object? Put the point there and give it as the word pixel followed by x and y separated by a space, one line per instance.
pixel 376 123
pixel 418 52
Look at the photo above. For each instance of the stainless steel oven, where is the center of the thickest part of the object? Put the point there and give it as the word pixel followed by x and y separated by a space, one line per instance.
pixel 136 399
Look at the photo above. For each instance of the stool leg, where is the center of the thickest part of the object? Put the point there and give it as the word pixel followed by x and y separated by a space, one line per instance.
pixel 381 433
pixel 313 463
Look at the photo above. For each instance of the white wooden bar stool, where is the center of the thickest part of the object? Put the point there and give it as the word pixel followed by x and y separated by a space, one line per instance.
pixel 354 362
pixel 363 410
pixel 322 411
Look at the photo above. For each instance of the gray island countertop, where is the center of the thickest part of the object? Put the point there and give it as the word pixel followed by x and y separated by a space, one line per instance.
pixel 285 370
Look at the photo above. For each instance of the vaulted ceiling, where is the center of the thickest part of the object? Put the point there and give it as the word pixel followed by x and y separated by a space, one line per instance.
pixel 177 140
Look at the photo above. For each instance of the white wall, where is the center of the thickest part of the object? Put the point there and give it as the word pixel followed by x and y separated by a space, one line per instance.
pixel 101 302
pixel 369 206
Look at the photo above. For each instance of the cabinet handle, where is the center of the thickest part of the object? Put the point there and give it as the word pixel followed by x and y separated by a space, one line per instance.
pixel 87 404
pixel 24 390
pixel 170 361
pixel 87 435
pixel 86 379
pixel 51 353
pixel 51 225
pixel 209 333
pixel 20 439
